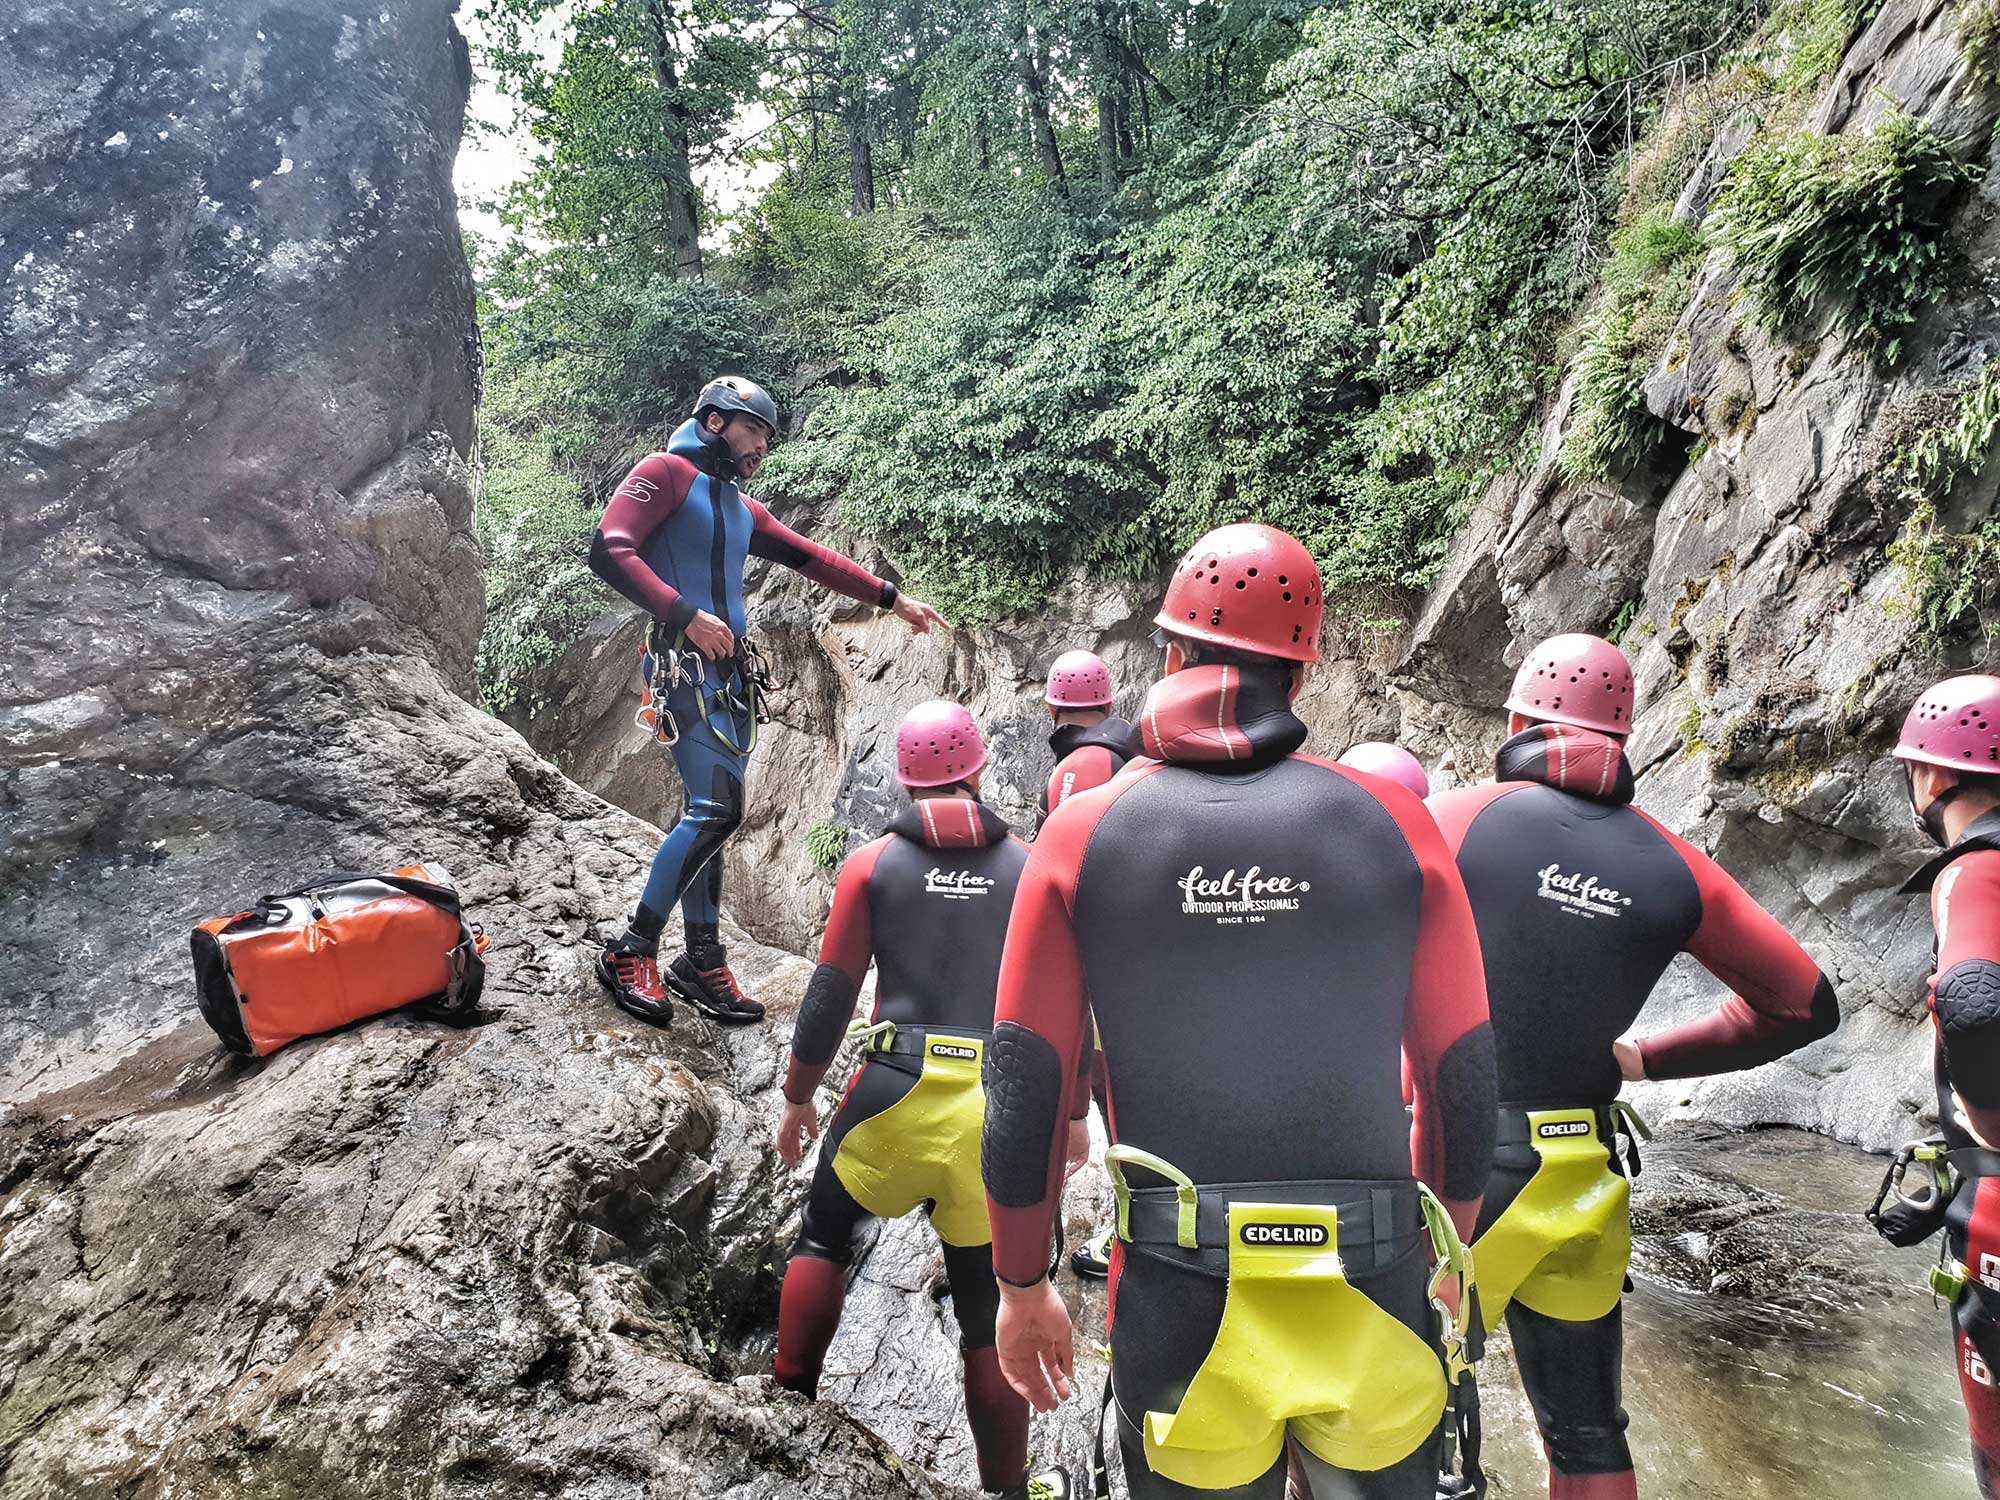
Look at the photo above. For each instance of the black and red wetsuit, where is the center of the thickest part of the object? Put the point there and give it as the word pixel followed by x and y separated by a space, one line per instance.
pixel 1087 755
pixel 1582 901
pixel 1964 887
pixel 1257 933
pixel 927 903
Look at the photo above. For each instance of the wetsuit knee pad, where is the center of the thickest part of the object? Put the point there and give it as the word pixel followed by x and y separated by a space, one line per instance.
pixel 975 1295
pixel 1590 1448
pixel 715 816
pixel 841 1254
pixel 1024 1094
pixel 823 1015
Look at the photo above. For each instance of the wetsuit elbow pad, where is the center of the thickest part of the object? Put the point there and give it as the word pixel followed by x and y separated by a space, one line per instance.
pixel 600 561
pixel 823 1016
pixel 1468 1092
pixel 1825 1012
pixel 1968 1012
pixel 1024 1094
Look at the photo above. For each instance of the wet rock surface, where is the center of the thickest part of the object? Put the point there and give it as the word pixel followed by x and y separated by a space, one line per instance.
pixel 241 594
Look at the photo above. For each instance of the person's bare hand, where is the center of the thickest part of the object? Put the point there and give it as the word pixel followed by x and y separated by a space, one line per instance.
pixel 1631 1066
pixel 1035 1344
pixel 797 1125
pixel 919 616
pixel 710 636
pixel 1079 1148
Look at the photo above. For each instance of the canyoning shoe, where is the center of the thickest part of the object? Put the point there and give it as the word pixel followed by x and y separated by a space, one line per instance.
pixel 1051 1484
pixel 633 977
pixel 713 991
pixel 1093 1257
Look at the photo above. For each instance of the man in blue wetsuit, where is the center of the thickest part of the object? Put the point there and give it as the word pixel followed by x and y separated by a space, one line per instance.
pixel 674 540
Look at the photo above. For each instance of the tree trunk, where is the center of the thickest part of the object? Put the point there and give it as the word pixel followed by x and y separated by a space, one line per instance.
pixel 1034 68
pixel 860 151
pixel 982 141
pixel 1107 105
pixel 683 202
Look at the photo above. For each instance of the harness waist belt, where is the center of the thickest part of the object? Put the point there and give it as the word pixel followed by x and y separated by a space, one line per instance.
pixel 1974 1161
pixel 1513 1128
pixel 1378 1221
pixel 914 1041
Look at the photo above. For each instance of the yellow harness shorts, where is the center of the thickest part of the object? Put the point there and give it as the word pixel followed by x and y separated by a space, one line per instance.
pixel 1300 1349
pixel 924 1148
pixel 1561 1247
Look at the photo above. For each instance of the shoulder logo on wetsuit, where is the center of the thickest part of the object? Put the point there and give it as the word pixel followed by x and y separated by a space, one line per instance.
pixel 955 1050
pixel 1581 894
pixel 1233 899
pixel 1284 1234
pixel 955 885
pixel 1557 1129
pixel 638 487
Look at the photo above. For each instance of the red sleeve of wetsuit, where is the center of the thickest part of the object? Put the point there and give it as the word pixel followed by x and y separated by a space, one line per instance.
pixel 773 539
pixel 1041 1033
pixel 1448 1069
pixel 844 955
pixel 1079 771
pixel 643 500
pixel 1965 990
pixel 1782 1001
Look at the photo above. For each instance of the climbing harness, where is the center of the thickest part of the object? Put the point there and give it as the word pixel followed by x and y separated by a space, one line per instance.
pixel 1300 1348
pixel 924 1148
pixel 1906 1218
pixel 1562 1246
pixel 741 684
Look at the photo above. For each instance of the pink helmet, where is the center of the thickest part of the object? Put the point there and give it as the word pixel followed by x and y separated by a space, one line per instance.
pixel 1956 724
pixel 1582 680
pixel 938 743
pixel 1079 679
pixel 1391 762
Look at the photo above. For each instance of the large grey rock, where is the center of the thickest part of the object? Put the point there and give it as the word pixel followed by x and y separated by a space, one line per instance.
pixel 241 595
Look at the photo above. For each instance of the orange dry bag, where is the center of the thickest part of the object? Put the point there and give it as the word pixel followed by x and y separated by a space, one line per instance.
pixel 338 949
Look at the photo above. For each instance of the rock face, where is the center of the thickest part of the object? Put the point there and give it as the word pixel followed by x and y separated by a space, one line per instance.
pixel 241 596
pixel 1774 649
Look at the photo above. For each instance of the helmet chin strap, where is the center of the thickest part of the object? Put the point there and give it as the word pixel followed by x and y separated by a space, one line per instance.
pixel 1930 822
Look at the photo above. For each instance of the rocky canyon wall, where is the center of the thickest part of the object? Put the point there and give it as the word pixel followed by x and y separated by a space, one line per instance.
pixel 1776 647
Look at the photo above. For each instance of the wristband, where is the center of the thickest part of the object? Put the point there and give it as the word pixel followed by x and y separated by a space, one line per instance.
pixel 890 594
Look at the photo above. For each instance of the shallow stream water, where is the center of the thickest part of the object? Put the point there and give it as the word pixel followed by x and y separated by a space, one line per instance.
pixel 1835 1379
pixel 1776 1349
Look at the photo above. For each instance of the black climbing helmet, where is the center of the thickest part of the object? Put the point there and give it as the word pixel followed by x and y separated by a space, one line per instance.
pixel 734 394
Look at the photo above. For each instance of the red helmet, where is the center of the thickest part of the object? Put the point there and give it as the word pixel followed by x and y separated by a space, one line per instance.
pixel 1582 680
pixel 1079 679
pixel 1391 762
pixel 938 743
pixel 1955 724
pixel 1249 587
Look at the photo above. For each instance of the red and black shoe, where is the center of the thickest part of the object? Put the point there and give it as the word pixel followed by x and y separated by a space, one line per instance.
pixel 713 990
pixel 633 977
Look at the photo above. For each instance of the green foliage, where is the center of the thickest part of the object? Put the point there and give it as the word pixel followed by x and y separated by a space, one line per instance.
pixel 1979 35
pixel 1647 280
pixel 826 844
pixel 535 530
pixel 1848 231
pixel 1950 577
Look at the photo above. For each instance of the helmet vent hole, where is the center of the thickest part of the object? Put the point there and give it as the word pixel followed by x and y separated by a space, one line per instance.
pixel 1288 596
pixel 1253 572
pixel 1241 584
